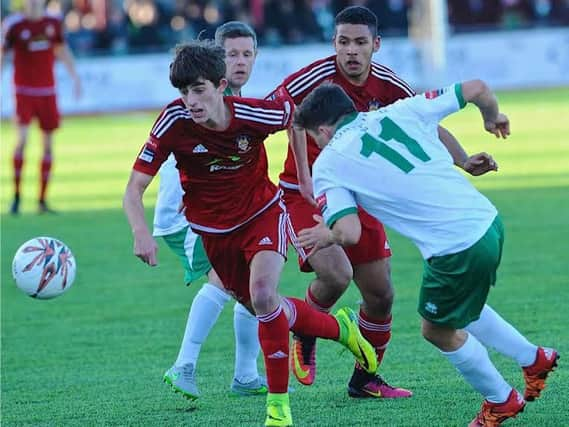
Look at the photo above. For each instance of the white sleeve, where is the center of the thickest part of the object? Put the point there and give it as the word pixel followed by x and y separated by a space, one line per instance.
pixel 435 105
pixel 333 200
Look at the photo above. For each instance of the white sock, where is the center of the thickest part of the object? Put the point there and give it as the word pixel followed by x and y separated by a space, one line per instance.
pixel 204 312
pixel 494 332
pixel 473 363
pixel 247 345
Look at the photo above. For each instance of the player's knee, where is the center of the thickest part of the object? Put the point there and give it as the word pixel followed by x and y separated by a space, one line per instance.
pixel 263 296
pixel 336 277
pixel 429 332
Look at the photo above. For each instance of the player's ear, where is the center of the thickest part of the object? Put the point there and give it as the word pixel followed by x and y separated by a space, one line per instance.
pixel 376 43
pixel 223 85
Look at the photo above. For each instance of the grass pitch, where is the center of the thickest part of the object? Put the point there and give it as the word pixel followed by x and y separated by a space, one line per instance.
pixel 96 355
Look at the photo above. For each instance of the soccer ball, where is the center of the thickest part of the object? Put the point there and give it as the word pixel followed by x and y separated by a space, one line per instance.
pixel 44 267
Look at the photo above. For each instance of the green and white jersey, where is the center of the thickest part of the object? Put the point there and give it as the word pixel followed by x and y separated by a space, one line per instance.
pixel 167 219
pixel 392 163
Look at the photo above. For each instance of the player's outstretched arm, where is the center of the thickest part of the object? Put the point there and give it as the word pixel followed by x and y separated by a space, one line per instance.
pixel 145 246
pixel 478 92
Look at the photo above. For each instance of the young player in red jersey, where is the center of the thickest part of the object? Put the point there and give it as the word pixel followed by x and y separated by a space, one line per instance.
pixel 370 85
pixel 36 39
pixel 232 204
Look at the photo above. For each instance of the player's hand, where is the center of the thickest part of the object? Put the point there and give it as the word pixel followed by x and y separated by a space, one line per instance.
pixel 499 127
pixel 317 237
pixel 146 249
pixel 307 191
pixel 479 164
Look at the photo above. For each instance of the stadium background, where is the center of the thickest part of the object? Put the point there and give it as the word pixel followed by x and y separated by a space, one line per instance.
pixel 96 356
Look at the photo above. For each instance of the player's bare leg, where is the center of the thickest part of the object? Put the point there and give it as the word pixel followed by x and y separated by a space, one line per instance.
pixel 374 282
pixel 333 275
pixel 470 358
pixel 18 163
pixel 45 170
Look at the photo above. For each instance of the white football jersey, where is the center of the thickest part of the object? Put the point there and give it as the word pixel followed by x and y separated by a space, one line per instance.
pixel 167 219
pixel 392 163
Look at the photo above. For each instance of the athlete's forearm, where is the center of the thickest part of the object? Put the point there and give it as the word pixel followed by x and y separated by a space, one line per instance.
pixel 132 202
pixel 346 231
pixel 64 54
pixel 297 141
pixel 452 145
pixel 134 210
pixel 478 92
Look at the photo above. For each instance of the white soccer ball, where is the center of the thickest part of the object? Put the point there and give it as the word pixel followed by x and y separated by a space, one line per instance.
pixel 44 267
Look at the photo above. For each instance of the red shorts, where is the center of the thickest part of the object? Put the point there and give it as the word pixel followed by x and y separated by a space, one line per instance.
pixel 230 254
pixel 42 107
pixel 373 244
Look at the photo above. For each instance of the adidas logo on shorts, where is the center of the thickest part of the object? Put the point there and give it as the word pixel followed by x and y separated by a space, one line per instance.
pixel 265 241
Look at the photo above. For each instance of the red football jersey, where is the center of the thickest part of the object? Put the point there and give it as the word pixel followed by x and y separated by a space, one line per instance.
pixel 382 87
pixel 224 174
pixel 33 42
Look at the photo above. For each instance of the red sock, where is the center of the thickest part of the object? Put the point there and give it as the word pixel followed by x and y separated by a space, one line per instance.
pixel 45 173
pixel 18 162
pixel 377 332
pixel 314 303
pixel 307 321
pixel 273 336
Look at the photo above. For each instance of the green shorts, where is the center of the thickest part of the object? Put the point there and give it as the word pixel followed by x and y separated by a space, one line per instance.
pixel 455 287
pixel 189 248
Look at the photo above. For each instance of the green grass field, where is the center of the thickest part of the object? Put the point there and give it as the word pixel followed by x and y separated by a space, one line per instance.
pixel 96 356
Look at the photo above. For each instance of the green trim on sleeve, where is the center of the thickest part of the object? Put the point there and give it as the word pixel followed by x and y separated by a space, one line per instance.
pixel 459 96
pixel 344 212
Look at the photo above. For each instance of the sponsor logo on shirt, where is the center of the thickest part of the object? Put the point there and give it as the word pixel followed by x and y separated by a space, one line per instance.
pixel 321 202
pixel 37 45
pixel 215 168
pixel 432 94
pixel 243 142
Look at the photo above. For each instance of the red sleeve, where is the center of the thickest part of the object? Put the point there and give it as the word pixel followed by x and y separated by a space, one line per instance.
pixel 268 115
pixel 159 144
pixel 151 156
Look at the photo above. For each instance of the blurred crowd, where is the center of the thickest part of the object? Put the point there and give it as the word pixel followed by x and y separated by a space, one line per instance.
pixel 130 26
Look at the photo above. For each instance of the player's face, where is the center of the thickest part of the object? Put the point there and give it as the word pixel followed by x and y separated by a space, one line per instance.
pixel 240 56
pixel 204 100
pixel 354 45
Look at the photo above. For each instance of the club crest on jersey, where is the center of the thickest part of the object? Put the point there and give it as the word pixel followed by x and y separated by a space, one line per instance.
pixel 432 94
pixel 373 105
pixel 243 143
pixel 321 202
pixel 26 34
pixel 49 31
